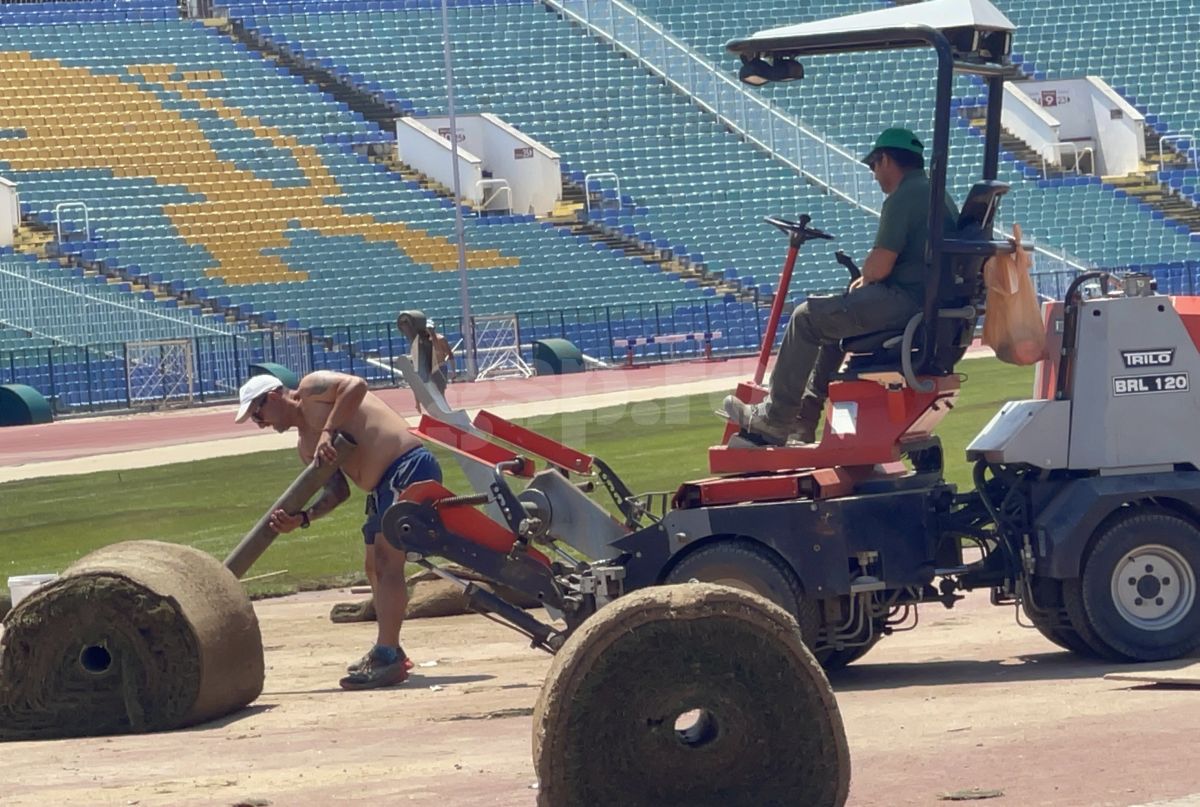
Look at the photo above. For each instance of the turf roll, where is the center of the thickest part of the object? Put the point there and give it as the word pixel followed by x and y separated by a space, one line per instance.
pixel 136 637
pixel 694 694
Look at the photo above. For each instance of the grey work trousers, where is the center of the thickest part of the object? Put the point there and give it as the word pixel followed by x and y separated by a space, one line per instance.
pixel 810 352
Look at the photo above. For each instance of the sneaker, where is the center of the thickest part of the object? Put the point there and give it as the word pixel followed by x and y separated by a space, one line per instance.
pixel 358 665
pixel 374 673
pixel 755 422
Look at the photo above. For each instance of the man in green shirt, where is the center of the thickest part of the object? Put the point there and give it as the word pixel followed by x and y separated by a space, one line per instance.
pixel 890 291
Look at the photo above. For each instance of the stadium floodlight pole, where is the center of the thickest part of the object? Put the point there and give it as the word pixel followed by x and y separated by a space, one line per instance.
pixel 464 293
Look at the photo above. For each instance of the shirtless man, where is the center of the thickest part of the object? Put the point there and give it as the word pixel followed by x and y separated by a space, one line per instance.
pixel 388 460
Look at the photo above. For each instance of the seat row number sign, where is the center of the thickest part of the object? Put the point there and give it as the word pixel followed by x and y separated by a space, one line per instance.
pixel 1145 384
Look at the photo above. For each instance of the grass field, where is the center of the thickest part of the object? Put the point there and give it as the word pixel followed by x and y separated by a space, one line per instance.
pixel 210 504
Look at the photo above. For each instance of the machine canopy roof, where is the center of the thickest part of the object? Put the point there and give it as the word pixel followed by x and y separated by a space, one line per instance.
pixel 976 29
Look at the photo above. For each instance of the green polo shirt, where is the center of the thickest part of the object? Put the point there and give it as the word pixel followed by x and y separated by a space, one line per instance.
pixel 904 229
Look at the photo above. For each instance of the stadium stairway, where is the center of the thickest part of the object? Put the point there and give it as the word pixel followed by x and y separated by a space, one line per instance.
pixel 371 105
pixel 570 216
pixel 1150 184
pixel 31 238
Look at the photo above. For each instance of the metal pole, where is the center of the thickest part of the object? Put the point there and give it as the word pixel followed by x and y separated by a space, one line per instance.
pixel 292 500
pixel 768 340
pixel 991 147
pixel 464 293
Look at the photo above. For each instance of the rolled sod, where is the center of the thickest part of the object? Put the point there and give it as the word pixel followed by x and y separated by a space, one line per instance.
pixel 694 694
pixel 136 637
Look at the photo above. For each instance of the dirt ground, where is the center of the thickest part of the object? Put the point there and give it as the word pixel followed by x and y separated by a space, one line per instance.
pixel 967 700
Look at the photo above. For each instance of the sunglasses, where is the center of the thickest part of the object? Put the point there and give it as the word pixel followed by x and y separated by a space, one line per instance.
pixel 256 412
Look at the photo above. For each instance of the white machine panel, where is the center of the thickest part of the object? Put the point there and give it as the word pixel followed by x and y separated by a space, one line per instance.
pixel 1033 432
pixel 1134 386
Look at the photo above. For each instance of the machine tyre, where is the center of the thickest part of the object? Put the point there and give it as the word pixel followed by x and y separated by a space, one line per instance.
pixel 1139 586
pixel 749 566
pixel 1048 593
pixel 688 694
pixel 1072 592
pixel 832 660
pixel 1066 638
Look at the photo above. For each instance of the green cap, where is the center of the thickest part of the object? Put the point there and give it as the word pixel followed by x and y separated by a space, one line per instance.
pixel 896 138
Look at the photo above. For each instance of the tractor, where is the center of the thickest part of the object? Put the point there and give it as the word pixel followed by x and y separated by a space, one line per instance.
pixel 1085 508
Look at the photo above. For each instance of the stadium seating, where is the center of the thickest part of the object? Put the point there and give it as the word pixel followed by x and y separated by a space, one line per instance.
pixel 1145 48
pixel 1079 215
pixel 690 186
pixel 217 171
pixel 210 169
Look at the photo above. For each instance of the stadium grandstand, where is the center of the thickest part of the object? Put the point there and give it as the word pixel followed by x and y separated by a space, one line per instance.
pixel 199 188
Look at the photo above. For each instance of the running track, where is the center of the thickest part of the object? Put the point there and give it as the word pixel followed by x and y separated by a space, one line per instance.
pixel 90 437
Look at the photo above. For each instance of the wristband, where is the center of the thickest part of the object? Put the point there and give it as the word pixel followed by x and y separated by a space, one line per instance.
pixel 304 520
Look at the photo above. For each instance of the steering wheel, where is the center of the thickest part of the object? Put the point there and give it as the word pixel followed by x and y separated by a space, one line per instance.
pixel 798 229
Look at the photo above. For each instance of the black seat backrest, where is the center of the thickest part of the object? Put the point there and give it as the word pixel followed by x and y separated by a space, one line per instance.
pixel 961 283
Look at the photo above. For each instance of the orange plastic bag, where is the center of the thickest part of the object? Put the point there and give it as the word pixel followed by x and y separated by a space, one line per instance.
pixel 1013 325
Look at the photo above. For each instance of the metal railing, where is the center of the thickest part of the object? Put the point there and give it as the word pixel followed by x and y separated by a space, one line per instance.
pixel 96 377
pixel 1189 152
pixel 760 122
pixel 69 310
pixel 1075 151
pixel 595 179
pixel 135 375
pixel 497 187
pixel 87 220
pixel 110 375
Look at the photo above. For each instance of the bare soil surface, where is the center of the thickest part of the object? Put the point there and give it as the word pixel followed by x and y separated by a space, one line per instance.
pixel 969 700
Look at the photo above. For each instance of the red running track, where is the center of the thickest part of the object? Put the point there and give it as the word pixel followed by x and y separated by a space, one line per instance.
pixel 84 437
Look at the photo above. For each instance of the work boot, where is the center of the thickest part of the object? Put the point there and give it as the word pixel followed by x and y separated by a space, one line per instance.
pixel 803 432
pixel 757 421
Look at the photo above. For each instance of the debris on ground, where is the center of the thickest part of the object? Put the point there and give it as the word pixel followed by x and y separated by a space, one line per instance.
pixel 516 711
pixel 971 794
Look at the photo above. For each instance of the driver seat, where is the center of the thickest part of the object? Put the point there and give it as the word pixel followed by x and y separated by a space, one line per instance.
pixel 960 298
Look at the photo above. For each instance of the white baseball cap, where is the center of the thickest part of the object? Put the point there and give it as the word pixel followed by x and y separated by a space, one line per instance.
pixel 257 385
pixel 429 323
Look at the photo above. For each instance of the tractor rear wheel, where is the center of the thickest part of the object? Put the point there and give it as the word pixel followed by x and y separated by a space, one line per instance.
pixel 833 660
pixel 1057 627
pixel 1138 589
pixel 864 640
pixel 747 565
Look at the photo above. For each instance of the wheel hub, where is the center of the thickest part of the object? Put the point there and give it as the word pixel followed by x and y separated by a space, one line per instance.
pixel 1154 587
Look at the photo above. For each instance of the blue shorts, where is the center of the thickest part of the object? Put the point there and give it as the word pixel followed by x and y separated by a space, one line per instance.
pixel 414 465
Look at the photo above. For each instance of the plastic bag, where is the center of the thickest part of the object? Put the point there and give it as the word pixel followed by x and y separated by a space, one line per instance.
pixel 1013 325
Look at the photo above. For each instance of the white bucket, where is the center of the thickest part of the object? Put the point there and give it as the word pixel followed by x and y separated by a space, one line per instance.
pixel 23 585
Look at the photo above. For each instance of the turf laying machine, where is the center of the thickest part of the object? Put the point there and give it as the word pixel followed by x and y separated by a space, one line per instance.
pixel 1085 511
